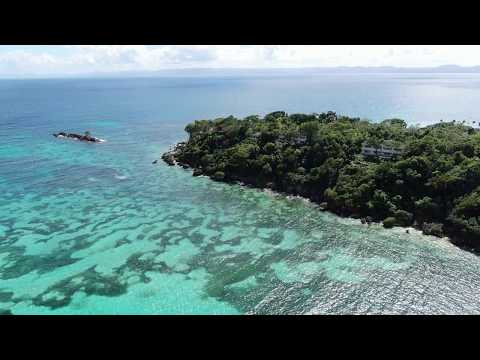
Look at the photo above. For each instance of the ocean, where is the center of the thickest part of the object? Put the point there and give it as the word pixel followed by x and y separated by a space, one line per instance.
pixel 98 229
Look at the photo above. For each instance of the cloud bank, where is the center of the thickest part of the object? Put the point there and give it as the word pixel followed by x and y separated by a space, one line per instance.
pixel 25 61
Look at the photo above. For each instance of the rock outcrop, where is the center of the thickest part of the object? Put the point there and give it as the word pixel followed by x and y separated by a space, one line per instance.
pixel 85 137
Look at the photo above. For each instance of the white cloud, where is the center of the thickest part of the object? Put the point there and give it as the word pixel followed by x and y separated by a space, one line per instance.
pixel 84 59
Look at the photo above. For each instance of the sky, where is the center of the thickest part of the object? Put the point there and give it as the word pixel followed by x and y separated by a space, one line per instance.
pixel 68 60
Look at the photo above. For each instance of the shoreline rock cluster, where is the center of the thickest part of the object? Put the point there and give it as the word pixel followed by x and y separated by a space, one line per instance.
pixel 432 229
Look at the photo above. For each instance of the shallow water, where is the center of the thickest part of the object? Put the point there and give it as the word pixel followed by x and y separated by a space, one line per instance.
pixel 98 229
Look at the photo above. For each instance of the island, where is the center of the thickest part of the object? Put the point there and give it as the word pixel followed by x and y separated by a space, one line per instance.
pixel 86 137
pixel 410 176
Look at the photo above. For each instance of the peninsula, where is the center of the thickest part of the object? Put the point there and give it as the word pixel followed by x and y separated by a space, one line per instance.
pixel 425 177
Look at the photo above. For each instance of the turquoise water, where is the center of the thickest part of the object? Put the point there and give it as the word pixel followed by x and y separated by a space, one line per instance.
pixel 98 229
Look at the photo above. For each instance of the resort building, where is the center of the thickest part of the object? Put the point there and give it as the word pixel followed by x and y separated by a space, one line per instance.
pixel 385 151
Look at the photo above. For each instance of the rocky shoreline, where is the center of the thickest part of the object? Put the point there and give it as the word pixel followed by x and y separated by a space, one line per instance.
pixel 429 229
pixel 170 159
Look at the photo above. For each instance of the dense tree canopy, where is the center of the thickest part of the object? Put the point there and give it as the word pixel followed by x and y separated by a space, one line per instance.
pixel 433 184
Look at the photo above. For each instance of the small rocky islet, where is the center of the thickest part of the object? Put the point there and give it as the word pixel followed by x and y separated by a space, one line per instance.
pixel 422 177
pixel 85 137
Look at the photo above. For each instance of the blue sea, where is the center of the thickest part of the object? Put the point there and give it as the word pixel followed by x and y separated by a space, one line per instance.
pixel 98 229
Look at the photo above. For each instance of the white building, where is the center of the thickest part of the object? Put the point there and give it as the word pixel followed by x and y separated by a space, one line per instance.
pixel 385 151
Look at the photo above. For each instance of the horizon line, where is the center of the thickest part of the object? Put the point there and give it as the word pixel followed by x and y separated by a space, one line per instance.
pixel 382 69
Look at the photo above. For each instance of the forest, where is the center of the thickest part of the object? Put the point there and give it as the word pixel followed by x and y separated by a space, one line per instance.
pixel 429 180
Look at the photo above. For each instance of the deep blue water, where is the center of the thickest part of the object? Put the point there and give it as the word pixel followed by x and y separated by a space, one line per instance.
pixel 96 228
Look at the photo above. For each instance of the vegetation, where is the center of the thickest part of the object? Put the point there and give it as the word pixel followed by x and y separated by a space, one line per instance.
pixel 434 184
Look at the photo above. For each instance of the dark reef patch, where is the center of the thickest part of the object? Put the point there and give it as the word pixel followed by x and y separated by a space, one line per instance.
pixel 92 283
pixel 25 264
pixel 6 296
